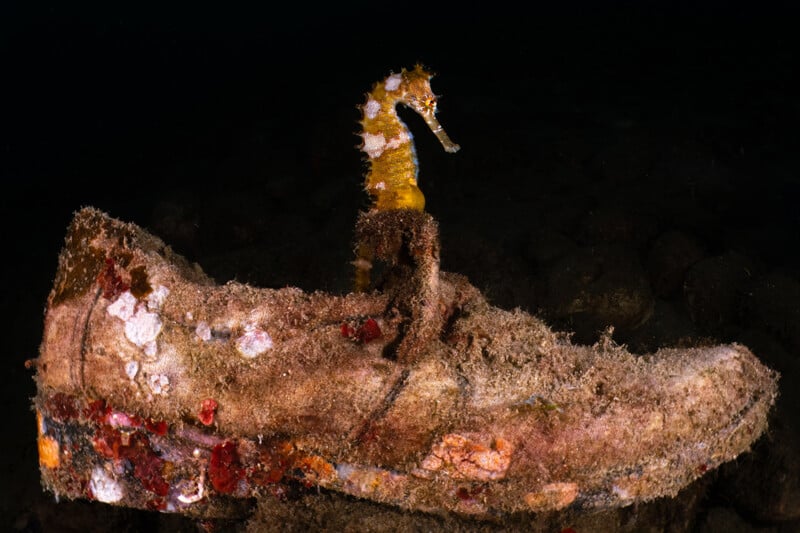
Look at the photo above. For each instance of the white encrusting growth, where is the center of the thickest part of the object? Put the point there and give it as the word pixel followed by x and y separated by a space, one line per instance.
pixel 396 142
pixel 253 342
pixel 143 327
pixel 371 108
pixel 104 487
pixel 157 297
pixel 393 82
pixel 159 383
pixel 203 331
pixel 123 307
pixel 131 369
pixel 150 349
pixel 193 494
pixel 374 144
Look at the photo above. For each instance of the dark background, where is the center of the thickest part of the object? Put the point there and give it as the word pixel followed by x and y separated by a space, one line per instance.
pixel 229 132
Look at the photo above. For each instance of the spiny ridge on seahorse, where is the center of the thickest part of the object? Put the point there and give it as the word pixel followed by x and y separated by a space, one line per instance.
pixel 392 176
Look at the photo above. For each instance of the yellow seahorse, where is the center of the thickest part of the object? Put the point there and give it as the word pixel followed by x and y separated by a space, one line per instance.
pixel 392 176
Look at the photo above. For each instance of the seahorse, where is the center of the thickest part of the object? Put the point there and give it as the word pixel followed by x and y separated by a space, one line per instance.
pixel 392 176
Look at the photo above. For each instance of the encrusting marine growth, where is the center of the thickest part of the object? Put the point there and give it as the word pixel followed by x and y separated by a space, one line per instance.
pixel 159 389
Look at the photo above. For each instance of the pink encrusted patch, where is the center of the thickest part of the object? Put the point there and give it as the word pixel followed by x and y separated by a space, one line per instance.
pixel 104 487
pixel 253 342
pixel 552 496
pixel 157 297
pixel 123 307
pixel 371 108
pixel 462 458
pixel 393 82
pixel 371 482
pixel 159 383
pixel 374 144
pixel 396 142
pixel 141 326
pixel 203 331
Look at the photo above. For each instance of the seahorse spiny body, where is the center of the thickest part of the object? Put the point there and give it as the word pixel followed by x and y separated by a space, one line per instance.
pixel 392 176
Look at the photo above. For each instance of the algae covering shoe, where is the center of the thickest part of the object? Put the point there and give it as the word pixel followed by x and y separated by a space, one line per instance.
pixel 158 389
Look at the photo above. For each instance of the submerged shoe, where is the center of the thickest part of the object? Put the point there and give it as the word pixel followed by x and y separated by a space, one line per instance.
pixel 158 389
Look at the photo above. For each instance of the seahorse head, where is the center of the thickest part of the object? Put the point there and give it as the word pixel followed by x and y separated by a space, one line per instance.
pixel 416 90
pixel 418 95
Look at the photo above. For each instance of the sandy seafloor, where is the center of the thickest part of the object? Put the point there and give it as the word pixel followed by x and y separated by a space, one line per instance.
pixel 663 134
